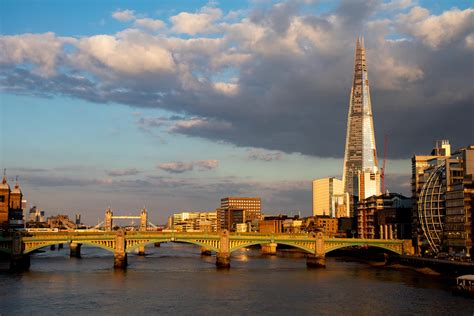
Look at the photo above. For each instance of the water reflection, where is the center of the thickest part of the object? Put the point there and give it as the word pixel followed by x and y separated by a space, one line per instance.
pixel 175 278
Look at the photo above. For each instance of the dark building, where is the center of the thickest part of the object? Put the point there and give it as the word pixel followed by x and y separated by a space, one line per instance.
pixel 228 218
pixel 386 216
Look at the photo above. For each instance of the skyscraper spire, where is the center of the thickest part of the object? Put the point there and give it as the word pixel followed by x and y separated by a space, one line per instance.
pixel 360 152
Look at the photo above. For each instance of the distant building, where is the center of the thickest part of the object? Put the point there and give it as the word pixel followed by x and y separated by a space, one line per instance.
pixel 328 225
pixel 229 218
pixel 194 221
pixel 275 224
pixel 443 189
pixel 251 205
pixel 11 206
pixel 61 222
pixel 329 198
pixel 36 216
pixel 383 216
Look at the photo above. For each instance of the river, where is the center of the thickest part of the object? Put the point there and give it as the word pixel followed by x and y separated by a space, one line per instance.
pixel 175 279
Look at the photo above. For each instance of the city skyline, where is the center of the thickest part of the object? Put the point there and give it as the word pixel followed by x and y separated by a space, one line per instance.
pixel 246 100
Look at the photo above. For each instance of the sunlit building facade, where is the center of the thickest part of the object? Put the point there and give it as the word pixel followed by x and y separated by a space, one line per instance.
pixel 329 198
pixel 360 157
pixel 443 190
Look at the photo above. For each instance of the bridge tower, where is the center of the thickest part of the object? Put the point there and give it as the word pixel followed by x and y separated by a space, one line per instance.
pixel 143 219
pixel 108 223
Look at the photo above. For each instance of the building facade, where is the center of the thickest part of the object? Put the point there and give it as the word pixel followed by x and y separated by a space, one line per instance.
pixel 194 221
pixel 360 156
pixel 329 198
pixel 11 205
pixel 251 205
pixel 384 216
pixel 443 189
pixel 230 219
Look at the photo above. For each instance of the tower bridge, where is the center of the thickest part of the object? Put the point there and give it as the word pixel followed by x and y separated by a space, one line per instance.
pixel 121 242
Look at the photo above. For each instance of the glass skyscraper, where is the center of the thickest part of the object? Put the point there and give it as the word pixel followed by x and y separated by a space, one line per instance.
pixel 360 153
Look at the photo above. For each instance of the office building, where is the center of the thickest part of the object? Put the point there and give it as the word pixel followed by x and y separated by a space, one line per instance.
pixel 229 218
pixel 384 216
pixel 360 156
pixel 329 198
pixel 194 222
pixel 251 205
pixel 443 192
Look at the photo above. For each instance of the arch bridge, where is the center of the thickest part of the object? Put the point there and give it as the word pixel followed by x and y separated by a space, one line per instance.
pixel 223 244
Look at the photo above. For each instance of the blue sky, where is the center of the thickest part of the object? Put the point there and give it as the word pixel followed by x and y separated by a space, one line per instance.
pixel 173 105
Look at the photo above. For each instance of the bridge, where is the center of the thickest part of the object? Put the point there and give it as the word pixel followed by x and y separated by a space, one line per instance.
pixel 121 242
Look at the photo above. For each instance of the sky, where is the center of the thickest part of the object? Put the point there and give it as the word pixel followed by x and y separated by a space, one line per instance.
pixel 173 105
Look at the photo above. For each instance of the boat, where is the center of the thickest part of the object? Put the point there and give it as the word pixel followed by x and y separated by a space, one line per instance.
pixel 465 284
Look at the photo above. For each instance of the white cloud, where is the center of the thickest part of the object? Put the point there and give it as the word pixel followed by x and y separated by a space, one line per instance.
pixel 194 23
pixel 436 30
pixel 123 55
pixel 150 24
pixel 42 50
pixel 226 88
pixel 396 5
pixel 124 15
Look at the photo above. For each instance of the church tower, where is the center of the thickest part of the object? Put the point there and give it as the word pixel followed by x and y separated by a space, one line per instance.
pixel 360 177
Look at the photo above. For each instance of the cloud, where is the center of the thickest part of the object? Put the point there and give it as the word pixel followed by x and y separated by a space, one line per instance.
pixel 207 164
pixel 194 23
pixel 176 166
pixel 181 167
pixel 122 172
pixel 433 30
pixel 259 154
pixel 150 24
pixel 124 15
pixel 276 78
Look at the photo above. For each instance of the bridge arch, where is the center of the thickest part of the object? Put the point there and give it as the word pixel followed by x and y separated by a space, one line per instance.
pixel 151 241
pixel 252 243
pixel 336 247
pixel 47 244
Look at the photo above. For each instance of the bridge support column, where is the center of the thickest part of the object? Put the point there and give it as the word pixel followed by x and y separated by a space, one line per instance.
pixel 157 244
pixel 141 250
pixel 318 260
pixel 75 250
pixel 120 255
pixel 52 247
pixel 313 261
pixel 205 251
pixel 19 261
pixel 223 256
pixel 60 246
pixel 269 249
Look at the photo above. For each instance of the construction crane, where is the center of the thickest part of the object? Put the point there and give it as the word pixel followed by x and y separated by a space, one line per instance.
pixel 382 174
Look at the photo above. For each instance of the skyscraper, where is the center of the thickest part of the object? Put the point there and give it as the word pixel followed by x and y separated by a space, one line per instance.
pixel 360 157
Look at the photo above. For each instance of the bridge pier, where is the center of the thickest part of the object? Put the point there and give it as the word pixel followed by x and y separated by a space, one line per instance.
pixel 205 251
pixel 269 249
pixel 120 256
pixel 19 261
pixel 223 256
pixel 52 247
pixel 313 261
pixel 141 250
pixel 157 244
pixel 75 250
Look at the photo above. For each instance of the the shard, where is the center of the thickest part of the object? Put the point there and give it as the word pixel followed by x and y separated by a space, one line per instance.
pixel 360 154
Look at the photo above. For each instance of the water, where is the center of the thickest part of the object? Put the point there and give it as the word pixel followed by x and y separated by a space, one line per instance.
pixel 175 279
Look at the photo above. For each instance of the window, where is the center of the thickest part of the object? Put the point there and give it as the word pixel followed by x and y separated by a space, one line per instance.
pixel 2 198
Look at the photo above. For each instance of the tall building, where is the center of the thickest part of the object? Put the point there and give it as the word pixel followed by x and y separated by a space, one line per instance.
pixel 444 192
pixel 251 205
pixel 11 205
pixel 360 157
pixel 329 198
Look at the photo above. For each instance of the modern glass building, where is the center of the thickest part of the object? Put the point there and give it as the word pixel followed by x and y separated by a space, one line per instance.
pixel 360 152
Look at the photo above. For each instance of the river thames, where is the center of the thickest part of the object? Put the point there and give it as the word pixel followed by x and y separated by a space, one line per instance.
pixel 175 279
